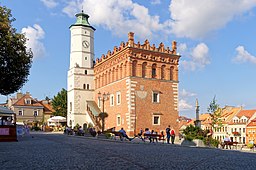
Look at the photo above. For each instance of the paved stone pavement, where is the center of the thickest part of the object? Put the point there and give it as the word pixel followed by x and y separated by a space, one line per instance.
pixel 58 151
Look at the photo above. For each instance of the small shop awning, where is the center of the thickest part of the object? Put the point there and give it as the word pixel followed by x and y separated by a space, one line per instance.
pixel 5 111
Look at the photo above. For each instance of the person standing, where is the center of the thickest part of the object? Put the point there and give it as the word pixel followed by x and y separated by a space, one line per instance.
pixel 172 136
pixel 168 134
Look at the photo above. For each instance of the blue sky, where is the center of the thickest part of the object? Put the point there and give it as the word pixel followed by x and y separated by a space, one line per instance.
pixel 216 39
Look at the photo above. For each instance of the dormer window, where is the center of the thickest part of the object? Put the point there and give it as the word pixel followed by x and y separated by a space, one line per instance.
pixel 27 101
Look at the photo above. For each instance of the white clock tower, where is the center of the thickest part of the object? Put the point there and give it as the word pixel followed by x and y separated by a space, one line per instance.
pixel 80 74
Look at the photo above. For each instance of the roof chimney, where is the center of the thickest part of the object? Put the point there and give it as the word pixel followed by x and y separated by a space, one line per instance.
pixel 19 95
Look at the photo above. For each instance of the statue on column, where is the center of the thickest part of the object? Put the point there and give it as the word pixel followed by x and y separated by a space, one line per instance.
pixel 197 122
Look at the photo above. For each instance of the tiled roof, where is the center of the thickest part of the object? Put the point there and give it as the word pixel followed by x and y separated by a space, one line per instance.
pixel 47 107
pixel 252 123
pixel 21 101
pixel 229 113
pixel 247 113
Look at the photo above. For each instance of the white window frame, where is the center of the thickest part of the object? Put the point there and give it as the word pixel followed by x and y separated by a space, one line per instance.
pixel 158 97
pixel 118 120
pixel 28 101
pixel 112 100
pixel 159 119
pixel 22 113
pixel 118 101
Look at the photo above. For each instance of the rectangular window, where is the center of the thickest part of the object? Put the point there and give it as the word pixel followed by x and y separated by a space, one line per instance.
pixel 35 113
pixel 118 121
pixel 20 112
pixel 70 106
pixel 153 73
pixel 156 120
pixel 243 130
pixel 155 97
pixel 27 101
pixel 99 100
pixel 111 100
pixel 118 98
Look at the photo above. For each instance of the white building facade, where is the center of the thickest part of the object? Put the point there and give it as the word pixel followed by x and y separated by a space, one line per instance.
pixel 80 88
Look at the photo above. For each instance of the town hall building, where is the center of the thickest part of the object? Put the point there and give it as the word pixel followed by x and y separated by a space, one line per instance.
pixel 136 84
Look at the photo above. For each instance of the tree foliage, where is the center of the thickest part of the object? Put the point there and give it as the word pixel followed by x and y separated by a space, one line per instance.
pixel 59 103
pixel 215 113
pixel 15 58
pixel 193 132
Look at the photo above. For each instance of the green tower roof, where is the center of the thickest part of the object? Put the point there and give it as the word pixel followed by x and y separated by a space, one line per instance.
pixel 82 20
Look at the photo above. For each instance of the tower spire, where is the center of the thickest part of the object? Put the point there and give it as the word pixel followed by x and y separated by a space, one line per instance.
pixel 82 20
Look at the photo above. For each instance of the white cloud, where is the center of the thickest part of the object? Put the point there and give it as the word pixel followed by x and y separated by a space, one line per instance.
pixel 155 2
pixel 34 35
pixel 244 56
pixel 182 47
pixel 184 105
pixel 120 17
pixel 185 93
pixel 195 19
pixel 50 3
pixel 199 57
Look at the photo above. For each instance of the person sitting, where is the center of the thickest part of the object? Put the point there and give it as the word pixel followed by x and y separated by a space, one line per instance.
pixel 154 138
pixel 80 131
pixel 226 142
pixel 146 137
pixel 92 131
pixel 124 135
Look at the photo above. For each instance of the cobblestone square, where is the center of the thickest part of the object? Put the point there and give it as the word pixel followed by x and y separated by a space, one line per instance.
pixel 58 151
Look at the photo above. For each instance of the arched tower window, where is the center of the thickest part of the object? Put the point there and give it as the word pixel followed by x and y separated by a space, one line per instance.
pixel 117 72
pixel 144 65
pixel 110 76
pixel 88 86
pixel 134 67
pixel 85 71
pixel 121 71
pixel 171 72
pixel 163 72
pixel 84 86
pixel 113 74
pixel 153 71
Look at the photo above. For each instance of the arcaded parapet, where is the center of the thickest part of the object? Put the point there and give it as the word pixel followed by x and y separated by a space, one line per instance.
pixel 145 46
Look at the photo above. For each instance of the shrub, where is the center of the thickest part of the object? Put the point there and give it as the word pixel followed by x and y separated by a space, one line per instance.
pixel 108 135
pixel 211 142
pixel 250 145
pixel 189 137
pixel 35 128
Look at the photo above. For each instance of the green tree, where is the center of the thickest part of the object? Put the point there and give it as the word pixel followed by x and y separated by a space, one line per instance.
pixel 59 103
pixel 15 58
pixel 215 113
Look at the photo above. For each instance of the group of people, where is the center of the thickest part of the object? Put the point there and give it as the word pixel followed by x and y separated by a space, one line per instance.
pixel 170 135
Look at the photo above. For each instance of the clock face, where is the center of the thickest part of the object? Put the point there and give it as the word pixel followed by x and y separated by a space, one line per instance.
pixel 85 44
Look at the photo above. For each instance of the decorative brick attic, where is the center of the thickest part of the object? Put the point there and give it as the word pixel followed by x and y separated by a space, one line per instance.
pixel 142 81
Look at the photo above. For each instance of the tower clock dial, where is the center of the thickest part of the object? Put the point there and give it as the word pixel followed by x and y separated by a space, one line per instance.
pixel 85 44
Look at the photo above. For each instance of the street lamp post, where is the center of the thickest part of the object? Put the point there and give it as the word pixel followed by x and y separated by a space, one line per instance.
pixel 103 97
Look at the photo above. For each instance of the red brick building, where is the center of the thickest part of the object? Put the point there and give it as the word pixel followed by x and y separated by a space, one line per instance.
pixel 142 82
